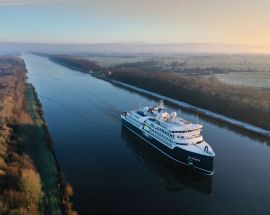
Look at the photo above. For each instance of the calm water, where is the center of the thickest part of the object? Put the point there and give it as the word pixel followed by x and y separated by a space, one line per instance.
pixel 113 172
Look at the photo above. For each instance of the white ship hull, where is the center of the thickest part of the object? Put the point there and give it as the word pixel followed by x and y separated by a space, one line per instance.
pixel 201 162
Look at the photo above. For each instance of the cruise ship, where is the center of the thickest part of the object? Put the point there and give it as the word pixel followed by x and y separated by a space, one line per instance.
pixel 171 135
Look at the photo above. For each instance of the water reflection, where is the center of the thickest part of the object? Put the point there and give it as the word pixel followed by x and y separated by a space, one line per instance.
pixel 176 178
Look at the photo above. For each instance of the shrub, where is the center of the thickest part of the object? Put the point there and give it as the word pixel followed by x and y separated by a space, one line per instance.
pixel 15 199
pixel 30 184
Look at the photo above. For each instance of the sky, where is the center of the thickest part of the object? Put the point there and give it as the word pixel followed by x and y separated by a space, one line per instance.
pixel 136 21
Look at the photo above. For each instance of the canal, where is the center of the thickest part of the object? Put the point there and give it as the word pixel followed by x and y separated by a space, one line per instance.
pixel 114 172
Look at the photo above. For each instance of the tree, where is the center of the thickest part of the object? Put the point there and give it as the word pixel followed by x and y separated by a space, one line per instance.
pixel 30 184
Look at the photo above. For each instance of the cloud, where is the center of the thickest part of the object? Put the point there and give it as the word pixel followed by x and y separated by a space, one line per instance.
pixel 28 2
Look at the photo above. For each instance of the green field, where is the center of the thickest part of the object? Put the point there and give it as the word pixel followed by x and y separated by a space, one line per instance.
pixel 254 79
pixel 39 150
pixel 224 61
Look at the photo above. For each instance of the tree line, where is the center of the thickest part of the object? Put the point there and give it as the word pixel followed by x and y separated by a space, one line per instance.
pixel 83 65
pixel 20 183
pixel 248 104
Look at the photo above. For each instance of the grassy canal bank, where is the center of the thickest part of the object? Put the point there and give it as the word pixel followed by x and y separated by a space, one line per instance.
pixel 38 146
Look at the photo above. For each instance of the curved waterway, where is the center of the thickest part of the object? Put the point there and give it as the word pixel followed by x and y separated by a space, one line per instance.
pixel 114 172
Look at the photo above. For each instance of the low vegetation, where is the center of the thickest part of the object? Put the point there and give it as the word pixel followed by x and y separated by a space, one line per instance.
pixel 76 63
pixel 22 185
pixel 67 193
